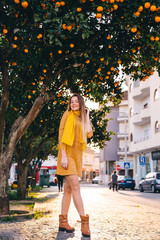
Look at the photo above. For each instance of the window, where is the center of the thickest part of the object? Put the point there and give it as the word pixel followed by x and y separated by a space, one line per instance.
pixel 131 87
pixel 131 137
pixel 131 111
pixel 156 94
pixel 157 126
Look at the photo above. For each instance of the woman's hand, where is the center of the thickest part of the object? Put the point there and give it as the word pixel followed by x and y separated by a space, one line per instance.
pixel 89 125
pixel 64 160
pixel 64 163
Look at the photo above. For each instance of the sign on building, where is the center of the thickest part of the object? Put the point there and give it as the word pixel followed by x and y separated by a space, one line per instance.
pixel 126 165
pixel 142 160
pixel 156 155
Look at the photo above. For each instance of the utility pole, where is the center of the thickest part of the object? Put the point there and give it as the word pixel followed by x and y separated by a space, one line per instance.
pixel 125 125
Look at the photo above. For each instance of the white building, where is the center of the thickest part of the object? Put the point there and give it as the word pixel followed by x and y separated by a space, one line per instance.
pixel 90 167
pixel 144 124
pixel 117 150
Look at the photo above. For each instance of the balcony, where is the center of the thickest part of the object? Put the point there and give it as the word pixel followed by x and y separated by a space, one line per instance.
pixel 146 114
pixel 122 118
pixel 142 117
pixel 121 135
pixel 142 90
pixel 142 139
pixel 121 151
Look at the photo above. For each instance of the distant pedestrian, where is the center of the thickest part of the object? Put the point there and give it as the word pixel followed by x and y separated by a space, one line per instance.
pixel 60 183
pixel 114 180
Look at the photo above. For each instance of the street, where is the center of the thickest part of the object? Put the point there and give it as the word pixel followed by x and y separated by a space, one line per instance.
pixel 123 215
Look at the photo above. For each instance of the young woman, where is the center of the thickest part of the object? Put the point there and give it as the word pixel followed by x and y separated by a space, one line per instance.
pixel 75 128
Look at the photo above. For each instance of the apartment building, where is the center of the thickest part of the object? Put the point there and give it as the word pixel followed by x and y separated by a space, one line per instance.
pixel 116 153
pixel 144 124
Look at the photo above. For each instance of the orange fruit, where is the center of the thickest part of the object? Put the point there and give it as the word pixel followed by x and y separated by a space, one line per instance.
pixel 140 9
pixel 71 45
pixel 115 6
pixel 24 4
pixel 16 1
pixel 137 14
pixel 147 5
pixel 15 109
pixel 33 91
pixel 60 51
pixel 107 77
pixel 157 18
pixel 39 36
pixel 99 69
pixel 156 39
pixel 87 61
pixel 153 8
pixel 102 59
pixel 152 38
pixel 134 29
pixel 108 37
pixel 111 1
pixel 15 38
pixel 26 50
pixel 69 28
pixel 108 72
pixel 98 15
pixel 109 46
pixel 29 96
pixel 112 68
pixel 57 4
pixel 14 46
pixel 44 70
pixel 5 31
pixel 100 9
pixel 119 61
pixel 79 9
pixel 64 26
pixel 62 3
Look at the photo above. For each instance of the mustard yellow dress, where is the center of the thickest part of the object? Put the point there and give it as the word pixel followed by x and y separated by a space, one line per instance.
pixel 74 152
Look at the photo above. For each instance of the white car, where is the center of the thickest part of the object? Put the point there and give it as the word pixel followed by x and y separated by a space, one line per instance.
pixel 95 180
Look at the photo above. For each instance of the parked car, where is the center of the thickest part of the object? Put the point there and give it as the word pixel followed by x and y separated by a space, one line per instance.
pixel 14 185
pixel 95 180
pixel 126 182
pixel 151 182
pixel 120 177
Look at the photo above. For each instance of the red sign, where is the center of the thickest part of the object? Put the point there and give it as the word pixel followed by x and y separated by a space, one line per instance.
pixel 97 171
pixel 118 167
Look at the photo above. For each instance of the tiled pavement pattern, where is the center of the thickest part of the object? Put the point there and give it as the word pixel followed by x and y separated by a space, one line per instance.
pixel 111 218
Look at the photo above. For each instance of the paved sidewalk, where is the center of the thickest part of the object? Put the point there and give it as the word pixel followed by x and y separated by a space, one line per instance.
pixel 111 218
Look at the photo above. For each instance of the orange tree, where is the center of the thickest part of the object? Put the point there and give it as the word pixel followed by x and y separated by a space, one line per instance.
pixel 72 46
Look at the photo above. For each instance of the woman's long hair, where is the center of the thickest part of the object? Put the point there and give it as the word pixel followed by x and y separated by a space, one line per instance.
pixel 83 114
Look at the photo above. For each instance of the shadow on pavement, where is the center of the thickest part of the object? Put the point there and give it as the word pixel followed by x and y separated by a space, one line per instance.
pixel 64 235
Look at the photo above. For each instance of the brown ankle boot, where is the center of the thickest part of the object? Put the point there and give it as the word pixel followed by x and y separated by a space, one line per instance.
pixel 64 225
pixel 85 226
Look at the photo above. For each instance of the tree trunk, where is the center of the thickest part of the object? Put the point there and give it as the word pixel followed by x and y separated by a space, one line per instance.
pixel 4 197
pixel 22 179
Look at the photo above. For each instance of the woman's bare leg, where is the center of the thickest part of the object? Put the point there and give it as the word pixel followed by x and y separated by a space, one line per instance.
pixel 66 200
pixel 75 187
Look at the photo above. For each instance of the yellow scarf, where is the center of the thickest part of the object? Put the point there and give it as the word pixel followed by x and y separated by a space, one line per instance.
pixel 69 130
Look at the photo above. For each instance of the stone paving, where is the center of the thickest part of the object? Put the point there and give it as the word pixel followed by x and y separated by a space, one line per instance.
pixel 111 218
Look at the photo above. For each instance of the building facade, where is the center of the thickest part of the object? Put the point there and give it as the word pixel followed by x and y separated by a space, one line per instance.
pixel 116 152
pixel 144 124
pixel 90 167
